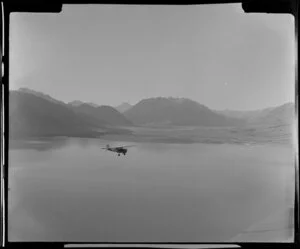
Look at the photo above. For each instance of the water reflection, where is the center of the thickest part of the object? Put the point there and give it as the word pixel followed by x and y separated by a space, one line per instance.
pixel 43 144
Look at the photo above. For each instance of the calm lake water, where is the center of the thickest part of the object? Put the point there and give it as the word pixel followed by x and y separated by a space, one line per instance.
pixel 71 190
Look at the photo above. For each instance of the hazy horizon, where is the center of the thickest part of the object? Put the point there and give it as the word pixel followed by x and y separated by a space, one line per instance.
pixel 89 102
pixel 216 55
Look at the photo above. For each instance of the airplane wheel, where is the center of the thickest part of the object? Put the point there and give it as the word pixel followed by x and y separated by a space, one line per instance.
pixel 118 154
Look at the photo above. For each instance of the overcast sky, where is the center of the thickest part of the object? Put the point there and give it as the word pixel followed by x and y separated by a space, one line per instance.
pixel 109 54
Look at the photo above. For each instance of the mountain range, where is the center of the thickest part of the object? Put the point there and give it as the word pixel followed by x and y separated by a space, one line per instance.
pixel 177 111
pixel 105 114
pixel 283 114
pixel 34 113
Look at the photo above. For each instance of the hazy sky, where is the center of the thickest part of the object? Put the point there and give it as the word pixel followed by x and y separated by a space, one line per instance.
pixel 108 54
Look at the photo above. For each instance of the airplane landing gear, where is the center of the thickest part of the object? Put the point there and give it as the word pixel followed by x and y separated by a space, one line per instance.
pixel 118 154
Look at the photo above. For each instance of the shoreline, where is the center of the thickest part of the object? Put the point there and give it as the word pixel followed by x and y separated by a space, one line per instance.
pixel 35 141
pixel 280 135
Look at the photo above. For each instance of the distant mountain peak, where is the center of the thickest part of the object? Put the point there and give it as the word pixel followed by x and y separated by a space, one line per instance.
pixel 180 99
pixel 79 103
pixel 104 113
pixel 93 104
pixel 28 90
pixel 270 115
pixel 176 111
pixel 25 89
pixel 76 103
pixel 173 101
pixel 123 107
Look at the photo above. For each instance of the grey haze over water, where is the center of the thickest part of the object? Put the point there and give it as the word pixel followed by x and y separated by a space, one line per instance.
pixel 71 190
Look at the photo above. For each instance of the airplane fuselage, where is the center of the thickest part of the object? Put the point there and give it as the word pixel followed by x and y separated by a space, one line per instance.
pixel 118 150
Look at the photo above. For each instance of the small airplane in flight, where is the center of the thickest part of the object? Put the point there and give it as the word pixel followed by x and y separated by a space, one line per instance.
pixel 119 150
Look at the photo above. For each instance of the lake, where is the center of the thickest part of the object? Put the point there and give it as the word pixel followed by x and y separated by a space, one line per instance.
pixel 68 189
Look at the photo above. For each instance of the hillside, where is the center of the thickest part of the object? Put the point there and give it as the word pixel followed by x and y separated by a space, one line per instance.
pixel 177 111
pixel 33 115
pixel 75 103
pixel 105 114
pixel 40 94
pixel 78 103
pixel 280 115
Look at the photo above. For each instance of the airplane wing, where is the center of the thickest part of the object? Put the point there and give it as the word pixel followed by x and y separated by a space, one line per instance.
pixel 119 147
pixel 112 148
pixel 127 146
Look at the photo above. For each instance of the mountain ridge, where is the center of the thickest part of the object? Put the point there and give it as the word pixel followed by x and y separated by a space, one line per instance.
pixel 33 113
pixel 283 114
pixel 36 113
pixel 103 113
pixel 177 111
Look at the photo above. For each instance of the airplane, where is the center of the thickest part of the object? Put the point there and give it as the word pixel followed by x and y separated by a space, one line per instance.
pixel 118 150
